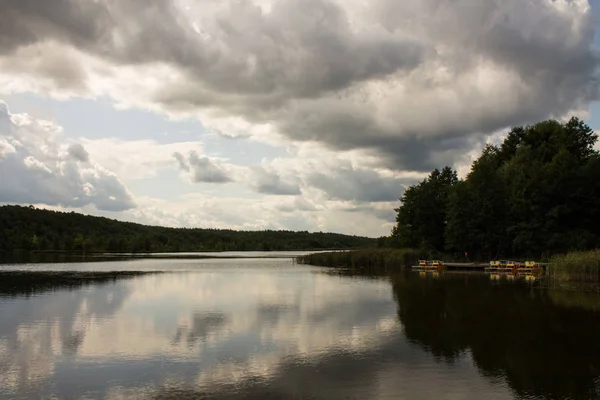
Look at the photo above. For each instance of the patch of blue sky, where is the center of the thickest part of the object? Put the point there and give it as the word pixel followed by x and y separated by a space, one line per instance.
pixel 97 119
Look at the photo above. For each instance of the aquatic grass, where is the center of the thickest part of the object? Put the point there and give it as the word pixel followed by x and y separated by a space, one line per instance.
pixel 576 299
pixel 575 267
pixel 380 260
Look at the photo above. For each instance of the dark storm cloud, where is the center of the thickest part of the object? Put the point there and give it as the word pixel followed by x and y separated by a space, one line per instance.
pixel 203 168
pixel 419 81
pixel 183 165
pixel 269 182
pixel 387 214
pixel 525 35
pixel 355 184
pixel 23 22
pixel 78 152
pixel 252 56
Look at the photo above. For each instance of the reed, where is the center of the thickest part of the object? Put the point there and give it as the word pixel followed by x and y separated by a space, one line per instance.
pixel 576 299
pixel 376 260
pixel 575 267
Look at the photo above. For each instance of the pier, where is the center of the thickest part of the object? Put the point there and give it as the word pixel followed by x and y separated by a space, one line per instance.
pixel 466 266
pixel 475 266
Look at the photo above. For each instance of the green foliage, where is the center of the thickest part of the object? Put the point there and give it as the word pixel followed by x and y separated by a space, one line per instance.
pixel 374 260
pixel 421 219
pixel 535 195
pixel 30 229
pixel 576 267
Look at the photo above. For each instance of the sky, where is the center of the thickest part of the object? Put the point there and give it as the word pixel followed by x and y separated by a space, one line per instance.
pixel 286 114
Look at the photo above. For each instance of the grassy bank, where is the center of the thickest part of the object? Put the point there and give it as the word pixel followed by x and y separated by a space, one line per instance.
pixel 380 260
pixel 575 267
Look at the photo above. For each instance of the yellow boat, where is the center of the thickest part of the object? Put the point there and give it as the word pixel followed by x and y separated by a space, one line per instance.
pixel 493 266
pixel 429 265
pixel 423 265
pixel 530 267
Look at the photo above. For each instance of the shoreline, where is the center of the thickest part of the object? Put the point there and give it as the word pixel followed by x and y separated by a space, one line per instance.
pixel 574 270
pixel 200 255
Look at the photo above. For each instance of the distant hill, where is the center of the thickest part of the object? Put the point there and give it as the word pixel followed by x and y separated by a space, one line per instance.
pixel 31 229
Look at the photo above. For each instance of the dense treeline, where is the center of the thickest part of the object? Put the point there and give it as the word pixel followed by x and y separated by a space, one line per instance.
pixel 534 195
pixel 31 229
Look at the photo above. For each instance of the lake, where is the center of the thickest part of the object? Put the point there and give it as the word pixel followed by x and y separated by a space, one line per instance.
pixel 266 328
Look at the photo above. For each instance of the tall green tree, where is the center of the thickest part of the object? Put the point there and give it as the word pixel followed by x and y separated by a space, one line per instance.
pixel 422 216
pixel 536 193
pixel 530 196
pixel 477 209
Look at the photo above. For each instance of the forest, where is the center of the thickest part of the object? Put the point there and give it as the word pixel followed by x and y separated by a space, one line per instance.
pixel 534 195
pixel 26 228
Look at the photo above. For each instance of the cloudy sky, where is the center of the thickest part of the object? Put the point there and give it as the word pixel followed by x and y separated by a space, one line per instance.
pixel 279 114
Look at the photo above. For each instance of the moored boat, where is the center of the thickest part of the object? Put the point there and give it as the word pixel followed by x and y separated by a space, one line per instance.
pixel 434 265
pixel 503 266
pixel 530 267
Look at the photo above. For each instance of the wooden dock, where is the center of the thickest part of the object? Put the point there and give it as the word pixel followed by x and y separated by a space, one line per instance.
pixel 452 267
pixel 466 266
pixel 455 266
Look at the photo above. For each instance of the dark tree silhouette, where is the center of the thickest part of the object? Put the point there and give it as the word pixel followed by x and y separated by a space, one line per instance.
pixel 31 229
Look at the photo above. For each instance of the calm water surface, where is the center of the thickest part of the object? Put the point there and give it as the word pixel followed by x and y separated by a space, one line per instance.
pixel 269 329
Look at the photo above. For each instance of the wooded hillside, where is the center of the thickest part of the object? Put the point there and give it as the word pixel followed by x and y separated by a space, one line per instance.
pixel 28 228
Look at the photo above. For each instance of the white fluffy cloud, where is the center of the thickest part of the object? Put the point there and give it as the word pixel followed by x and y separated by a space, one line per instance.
pixel 268 212
pixel 268 180
pixel 6 147
pixel 36 168
pixel 278 193
pixel 136 159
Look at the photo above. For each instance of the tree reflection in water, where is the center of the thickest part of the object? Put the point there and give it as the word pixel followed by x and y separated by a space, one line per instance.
pixel 294 333
pixel 544 343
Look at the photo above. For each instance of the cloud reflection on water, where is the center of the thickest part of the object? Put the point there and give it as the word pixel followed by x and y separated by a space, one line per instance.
pixel 223 332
